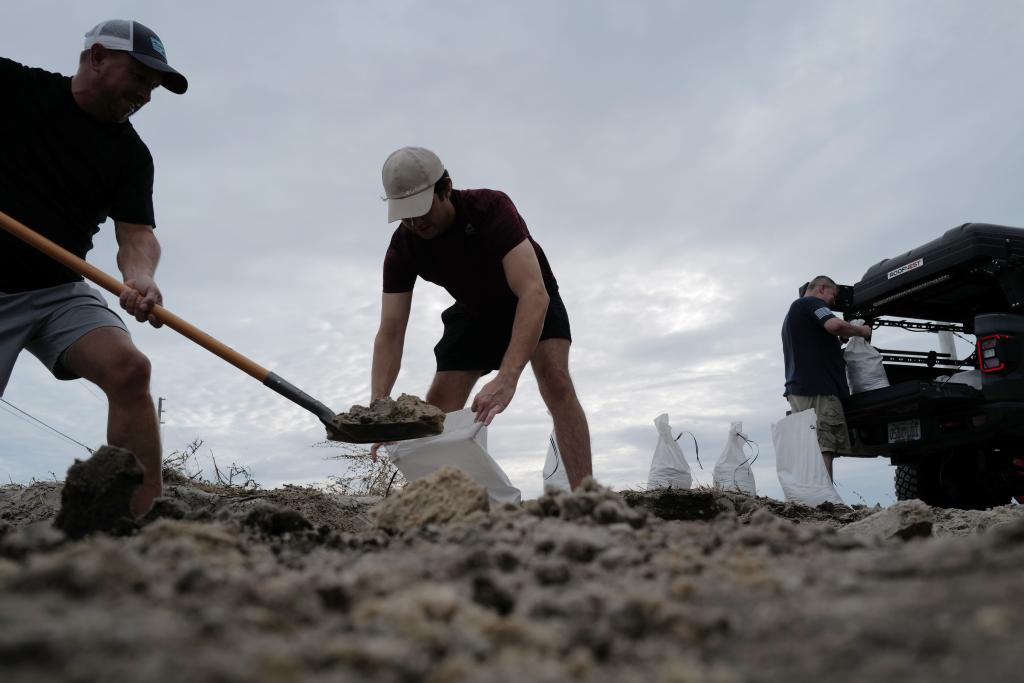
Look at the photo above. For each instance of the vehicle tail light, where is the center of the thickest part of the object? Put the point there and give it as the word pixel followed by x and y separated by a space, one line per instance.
pixel 994 352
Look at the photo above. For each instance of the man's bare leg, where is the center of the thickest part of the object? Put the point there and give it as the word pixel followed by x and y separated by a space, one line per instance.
pixel 450 389
pixel 550 364
pixel 108 358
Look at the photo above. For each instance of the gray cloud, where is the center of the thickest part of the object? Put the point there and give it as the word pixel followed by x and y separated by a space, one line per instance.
pixel 684 165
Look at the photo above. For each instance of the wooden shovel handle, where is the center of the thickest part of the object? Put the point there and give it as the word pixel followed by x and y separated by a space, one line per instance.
pixel 116 287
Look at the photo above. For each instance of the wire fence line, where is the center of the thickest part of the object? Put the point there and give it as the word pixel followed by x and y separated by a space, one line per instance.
pixel 34 421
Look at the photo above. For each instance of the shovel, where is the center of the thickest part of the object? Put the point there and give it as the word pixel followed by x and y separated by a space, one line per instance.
pixel 350 433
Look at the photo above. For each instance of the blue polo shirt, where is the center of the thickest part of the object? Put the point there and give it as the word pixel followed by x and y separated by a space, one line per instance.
pixel 813 356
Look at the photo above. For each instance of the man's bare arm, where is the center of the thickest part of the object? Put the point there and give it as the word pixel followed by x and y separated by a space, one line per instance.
pixel 522 270
pixel 138 254
pixel 841 328
pixel 389 343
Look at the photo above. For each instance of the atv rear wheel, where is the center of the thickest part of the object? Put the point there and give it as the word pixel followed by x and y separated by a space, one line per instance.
pixel 906 482
pixel 949 481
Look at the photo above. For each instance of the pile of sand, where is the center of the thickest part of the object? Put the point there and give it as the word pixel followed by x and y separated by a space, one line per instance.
pixel 433 585
pixel 446 496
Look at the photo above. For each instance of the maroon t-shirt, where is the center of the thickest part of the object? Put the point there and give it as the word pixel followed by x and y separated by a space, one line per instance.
pixel 466 259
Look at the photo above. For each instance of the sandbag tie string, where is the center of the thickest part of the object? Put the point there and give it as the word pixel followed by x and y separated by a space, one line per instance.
pixel 696 446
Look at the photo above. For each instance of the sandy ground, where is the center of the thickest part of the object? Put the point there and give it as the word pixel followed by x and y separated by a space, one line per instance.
pixel 431 585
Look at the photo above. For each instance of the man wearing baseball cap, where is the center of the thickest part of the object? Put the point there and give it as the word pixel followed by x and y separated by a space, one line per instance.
pixel 507 309
pixel 70 160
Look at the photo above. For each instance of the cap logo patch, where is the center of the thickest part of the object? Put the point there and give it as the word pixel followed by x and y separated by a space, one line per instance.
pixel 158 46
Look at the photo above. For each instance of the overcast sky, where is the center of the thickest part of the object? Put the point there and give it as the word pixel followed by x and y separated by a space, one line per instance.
pixel 685 166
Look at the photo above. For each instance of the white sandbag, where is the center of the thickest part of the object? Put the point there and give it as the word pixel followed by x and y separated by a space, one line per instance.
pixel 798 461
pixel 968 377
pixel 732 471
pixel 554 472
pixel 668 466
pixel 463 445
pixel 864 368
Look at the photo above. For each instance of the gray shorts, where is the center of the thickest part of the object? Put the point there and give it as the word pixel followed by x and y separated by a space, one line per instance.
pixel 47 322
pixel 833 435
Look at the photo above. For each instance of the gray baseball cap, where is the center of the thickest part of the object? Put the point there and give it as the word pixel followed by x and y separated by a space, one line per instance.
pixel 141 43
pixel 409 175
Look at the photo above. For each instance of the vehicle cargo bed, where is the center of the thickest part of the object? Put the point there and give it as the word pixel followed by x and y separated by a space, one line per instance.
pixel 913 392
pixel 916 415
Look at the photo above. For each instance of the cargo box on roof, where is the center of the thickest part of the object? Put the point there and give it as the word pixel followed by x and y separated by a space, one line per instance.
pixel 972 269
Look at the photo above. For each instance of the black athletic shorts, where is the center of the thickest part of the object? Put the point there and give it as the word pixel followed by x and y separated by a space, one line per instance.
pixel 473 341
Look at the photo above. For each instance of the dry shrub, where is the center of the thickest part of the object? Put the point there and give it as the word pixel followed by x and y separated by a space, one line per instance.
pixel 363 475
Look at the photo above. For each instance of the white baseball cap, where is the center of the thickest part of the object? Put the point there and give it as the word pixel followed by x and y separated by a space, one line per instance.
pixel 409 176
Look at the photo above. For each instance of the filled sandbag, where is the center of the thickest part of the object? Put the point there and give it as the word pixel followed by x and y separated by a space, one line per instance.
pixel 798 461
pixel 864 368
pixel 668 466
pixel 732 471
pixel 969 377
pixel 554 473
pixel 462 445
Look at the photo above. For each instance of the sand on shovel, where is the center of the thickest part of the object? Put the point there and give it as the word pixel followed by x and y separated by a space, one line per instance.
pixel 389 420
pixel 98 492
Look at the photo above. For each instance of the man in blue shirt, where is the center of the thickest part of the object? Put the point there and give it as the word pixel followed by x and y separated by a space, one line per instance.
pixel 815 369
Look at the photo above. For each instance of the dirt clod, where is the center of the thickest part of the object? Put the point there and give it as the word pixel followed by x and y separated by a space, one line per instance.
pixel 906 520
pixel 97 494
pixel 275 521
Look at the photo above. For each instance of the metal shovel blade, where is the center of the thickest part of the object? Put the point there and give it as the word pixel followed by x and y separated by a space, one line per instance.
pixel 379 432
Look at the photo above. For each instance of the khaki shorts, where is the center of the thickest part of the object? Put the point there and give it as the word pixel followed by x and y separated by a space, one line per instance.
pixel 833 435
pixel 46 322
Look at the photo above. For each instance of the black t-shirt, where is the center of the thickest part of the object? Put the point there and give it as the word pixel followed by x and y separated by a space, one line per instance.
pixel 813 356
pixel 62 173
pixel 466 258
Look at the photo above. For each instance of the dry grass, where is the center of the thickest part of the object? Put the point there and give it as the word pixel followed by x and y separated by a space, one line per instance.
pixel 182 467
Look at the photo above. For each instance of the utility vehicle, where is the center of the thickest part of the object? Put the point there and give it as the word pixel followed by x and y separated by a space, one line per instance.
pixel 954 428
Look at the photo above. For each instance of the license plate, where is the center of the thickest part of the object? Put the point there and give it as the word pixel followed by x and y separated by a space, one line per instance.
pixel 901 432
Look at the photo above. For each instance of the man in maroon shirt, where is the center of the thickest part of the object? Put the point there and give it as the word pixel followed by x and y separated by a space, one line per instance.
pixel 507 310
